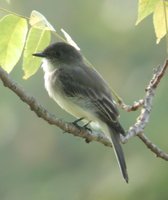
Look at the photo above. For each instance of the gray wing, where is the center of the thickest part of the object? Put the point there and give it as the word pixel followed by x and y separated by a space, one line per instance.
pixel 86 83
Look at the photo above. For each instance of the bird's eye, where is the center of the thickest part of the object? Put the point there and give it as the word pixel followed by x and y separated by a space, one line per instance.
pixel 58 54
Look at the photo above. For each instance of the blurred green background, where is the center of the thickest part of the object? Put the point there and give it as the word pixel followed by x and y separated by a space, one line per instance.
pixel 37 161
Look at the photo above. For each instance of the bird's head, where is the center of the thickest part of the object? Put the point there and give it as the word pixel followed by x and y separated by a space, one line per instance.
pixel 60 53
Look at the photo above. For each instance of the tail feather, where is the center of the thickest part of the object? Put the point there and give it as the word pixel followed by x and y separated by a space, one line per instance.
pixel 115 136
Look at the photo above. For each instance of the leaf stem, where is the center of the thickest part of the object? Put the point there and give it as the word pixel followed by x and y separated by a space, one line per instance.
pixel 8 11
pixel 166 25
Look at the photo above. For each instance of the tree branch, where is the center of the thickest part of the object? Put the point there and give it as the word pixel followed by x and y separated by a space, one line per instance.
pixel 143 119
pixel 128 108
pixel 156 150
pixel 50 118
pixel 136 130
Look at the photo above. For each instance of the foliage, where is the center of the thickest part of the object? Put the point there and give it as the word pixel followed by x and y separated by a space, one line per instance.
pixel 14 28
pixel 19 39
pixel 37 40
pixel 159 9
pixel 13 31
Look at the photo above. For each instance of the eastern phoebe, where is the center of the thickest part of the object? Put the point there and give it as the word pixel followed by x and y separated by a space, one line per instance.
pixel 81 91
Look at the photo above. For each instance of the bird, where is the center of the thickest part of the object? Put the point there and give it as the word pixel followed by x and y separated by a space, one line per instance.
pixel 81 91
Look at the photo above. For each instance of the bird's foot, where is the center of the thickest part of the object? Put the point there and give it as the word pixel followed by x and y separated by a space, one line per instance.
pixel 87 140
pixel 76 122
pixel 86 126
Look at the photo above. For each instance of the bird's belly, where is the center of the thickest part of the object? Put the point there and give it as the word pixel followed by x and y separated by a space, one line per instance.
pixel 68 103
pixel 74 109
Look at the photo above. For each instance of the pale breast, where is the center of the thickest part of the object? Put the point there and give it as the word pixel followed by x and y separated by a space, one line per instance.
pixel 66 103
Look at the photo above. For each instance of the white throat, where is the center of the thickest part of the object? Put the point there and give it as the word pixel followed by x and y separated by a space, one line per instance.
pixel 47 66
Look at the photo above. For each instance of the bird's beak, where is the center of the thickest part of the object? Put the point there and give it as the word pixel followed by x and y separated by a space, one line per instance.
pixel 40 54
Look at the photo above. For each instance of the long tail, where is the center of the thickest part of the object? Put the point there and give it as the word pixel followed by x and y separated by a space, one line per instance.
pixel 115 136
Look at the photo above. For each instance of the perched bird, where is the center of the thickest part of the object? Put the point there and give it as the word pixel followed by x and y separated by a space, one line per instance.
pixel 80 90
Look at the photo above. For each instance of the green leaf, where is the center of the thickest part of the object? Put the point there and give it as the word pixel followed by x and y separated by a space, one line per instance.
pixel 37 20
pixel 159 20
pixel 145 8
pixel 37 40
pixel 13 30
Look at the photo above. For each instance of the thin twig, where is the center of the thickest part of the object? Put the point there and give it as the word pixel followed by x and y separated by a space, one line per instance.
pixel 13 13
pixel 136 105
pixel 143 119
pixel 156 150
pixel 128 108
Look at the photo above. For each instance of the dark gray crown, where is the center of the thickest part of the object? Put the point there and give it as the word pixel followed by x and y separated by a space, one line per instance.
pixel 62 52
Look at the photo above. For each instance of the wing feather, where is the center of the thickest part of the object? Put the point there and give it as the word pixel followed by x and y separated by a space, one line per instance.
pixel 87 84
